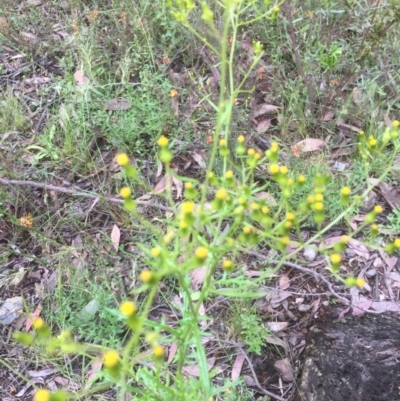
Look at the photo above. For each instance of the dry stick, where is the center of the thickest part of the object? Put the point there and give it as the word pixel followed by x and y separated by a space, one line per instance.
pixel 292 35
pixel 304 270
pixel 316 275
pixel 72 191
pixel 257 383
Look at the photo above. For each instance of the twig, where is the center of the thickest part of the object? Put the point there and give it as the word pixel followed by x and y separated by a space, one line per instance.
pixel 292 35
pixel 257 383
pixel 302 269
pixel 75 192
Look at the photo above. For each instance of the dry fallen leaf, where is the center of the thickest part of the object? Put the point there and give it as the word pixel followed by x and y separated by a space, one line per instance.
pixel 307 145
pixel 81 78
pixel 115 237
pixel 264 109
pixel 172 351
pixel 161 185
pixel 193 370
pixel 237 366
pixel 118 104
pixel 284 367
pixel 359 248
pixel 265 196
pixel 67 384
pixel 328 116
pixel 197 276
pixel 178 186
pixel 277 326
pixel 263 125
pixel 199 159
pixel 357 96
pixel 390 194
pixel 284 282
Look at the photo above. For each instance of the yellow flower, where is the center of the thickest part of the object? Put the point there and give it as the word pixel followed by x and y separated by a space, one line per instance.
pixel 187 207
pixel 276 9
pixel 290 216
pixel 162 141
pixel 158 351
pixel 310 198
pixel 251 152
pixel 122 159
pixel 246 230
pixel 183 224
pixel 274 147
pixel 290 181
pixel 221 194
pixel 397 242
pixel 127 308
pixel 155 252
pixel 222 143
pixel 38 323
pixel 146 276
pixel 395 123
pixel 288 224
pixel 111 359
pixel 241 201
pixel 210 174
pixel 346 191
pixel 201 252
pixel 319 206
pixel 254 206
pixel 319 197
pixel 257 155
pixel 229 174
pixel 188 185
pixel 345 239
pixel 360 282
pixel 372 141
pixel 274 169
pixel 378 209
pixel 361 133
pixel 173 93
pixel 227 264
pixel 284 170
pixel 42 395
pixel 335 258
pixel 265 209
pixel 285 240
pixel 125 192
pixel 240 139
pixel 302 178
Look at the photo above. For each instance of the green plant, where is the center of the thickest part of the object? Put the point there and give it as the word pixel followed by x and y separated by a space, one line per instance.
pixel 213 235
pixel 253 332
pixel 394 220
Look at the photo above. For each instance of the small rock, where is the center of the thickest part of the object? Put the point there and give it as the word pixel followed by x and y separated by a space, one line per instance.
pixel 277 326
pixel 370 273
pixel 310 254
pixel 304 308
pixel 378 262
pixel 350 253
pixel 285 369
pixel 369 201
pixel 11 309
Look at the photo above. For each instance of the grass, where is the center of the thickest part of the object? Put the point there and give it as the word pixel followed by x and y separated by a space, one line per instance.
pixel 123 51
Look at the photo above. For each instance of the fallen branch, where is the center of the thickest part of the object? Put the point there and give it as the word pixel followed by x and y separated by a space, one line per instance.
pixel 71 191
pixel 302 269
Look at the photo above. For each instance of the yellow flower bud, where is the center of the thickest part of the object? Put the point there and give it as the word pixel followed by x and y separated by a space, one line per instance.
pixel 125 192
pixel 346 191
pixel 155 252
pixel 38 323
pixel 290 216
pixel 188 207
pixel 188 185
pixel 395 123
pixel 345 239
pixel 229 174
pixel 265 209
pixel 274 169
pixel 201 252
pixel 111 359
pixel 318 206
pixel 162 141
pixel 335 258
pixel 378 209
pixel 360 282
pixel 222 143
pixel 240 139
pixel 284 170
pixel 302 178
pixel 227 264
pixel 146 276
pixel 397 242
pixel 122 159
pixel 221 194
pixel 127 308
pixel 42 395
pixel 319 197
pixel 158 351
pixel 251 152
pixel 247 230
pixel 274 147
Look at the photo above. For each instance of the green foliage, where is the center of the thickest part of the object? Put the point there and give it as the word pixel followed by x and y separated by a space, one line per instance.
pixel 253 332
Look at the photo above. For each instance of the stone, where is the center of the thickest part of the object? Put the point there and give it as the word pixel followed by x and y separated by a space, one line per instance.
pixel 370 273
pixel 310 254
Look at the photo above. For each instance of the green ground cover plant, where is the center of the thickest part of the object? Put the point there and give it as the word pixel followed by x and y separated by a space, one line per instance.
pixel 221 218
